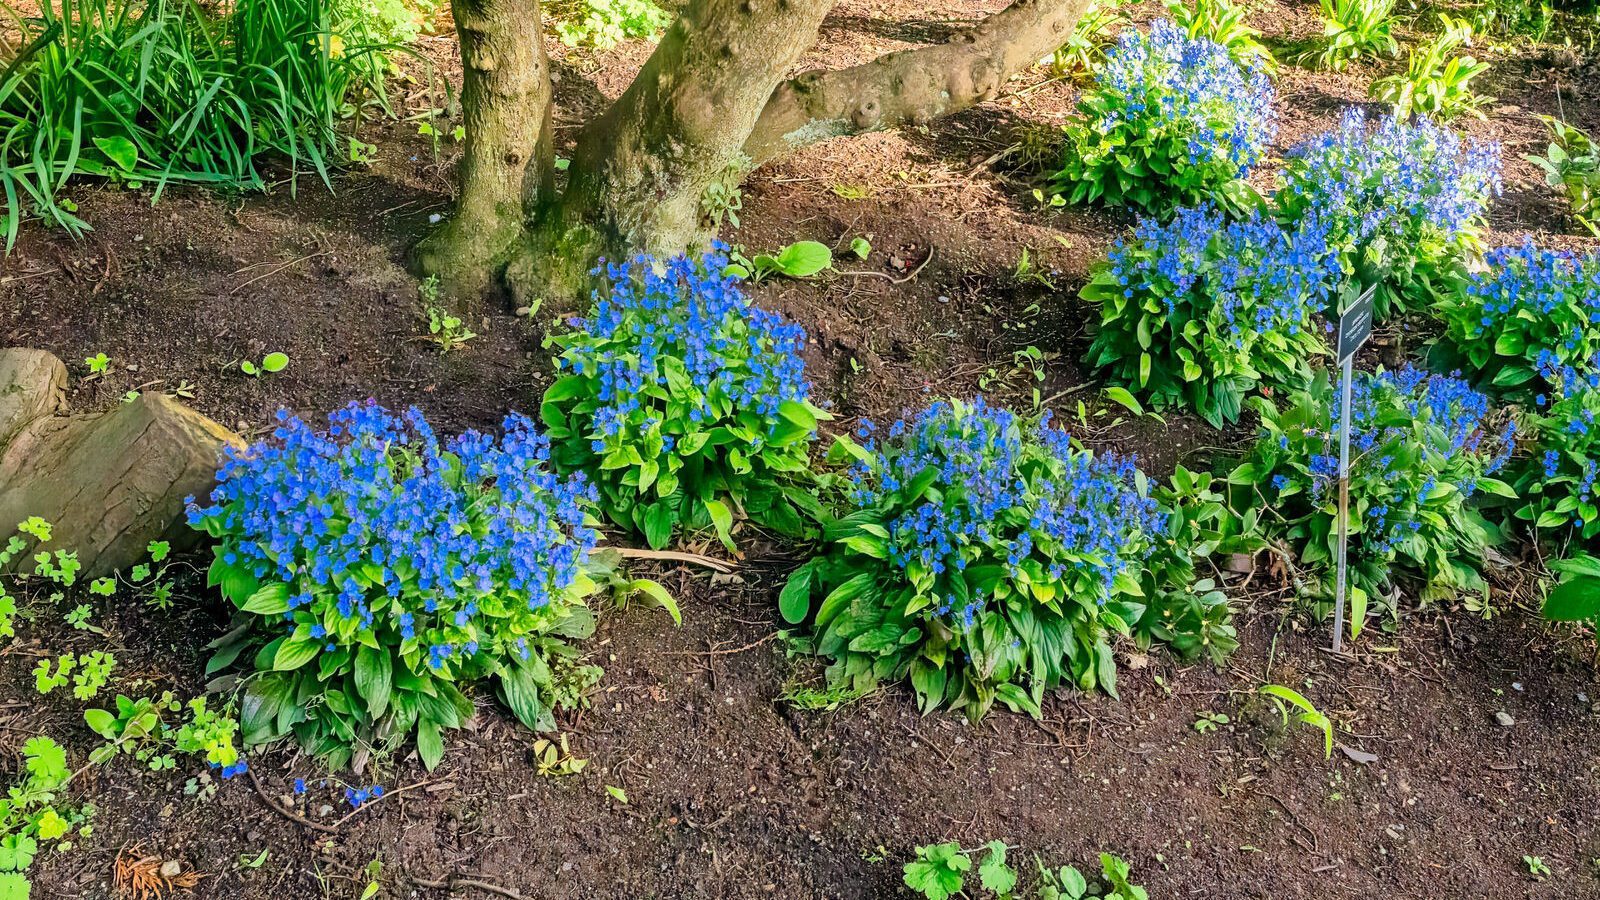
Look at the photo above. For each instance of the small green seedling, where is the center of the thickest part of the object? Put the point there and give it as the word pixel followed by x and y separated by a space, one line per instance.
pixel 1537 867
pixel 801 259
pixel 1210 721
pixel 98 364
pixel 860 247
pixel 1284 697
pixel 271 363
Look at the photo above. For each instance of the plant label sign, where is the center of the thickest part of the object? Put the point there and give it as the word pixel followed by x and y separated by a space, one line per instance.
pixel 1355 324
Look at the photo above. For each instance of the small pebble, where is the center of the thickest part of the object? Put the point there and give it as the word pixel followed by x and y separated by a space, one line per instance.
pixel 1504 719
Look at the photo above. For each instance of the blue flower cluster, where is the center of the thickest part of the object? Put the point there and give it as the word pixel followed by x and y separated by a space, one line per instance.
pixel 1192 86
pixel 1452 414
pixel 227 772
pixel 657 315
pixel 358 797
pixel 381 532
pixel 1559 486
pixel 1169 118
pixel 1237 301
pixel 1407 194
pixel 1532 312
pixel 1002 490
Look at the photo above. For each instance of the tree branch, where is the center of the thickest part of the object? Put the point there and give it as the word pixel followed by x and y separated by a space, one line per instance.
pixel 911 86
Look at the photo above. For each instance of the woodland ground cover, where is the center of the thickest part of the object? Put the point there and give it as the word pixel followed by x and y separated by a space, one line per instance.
pixel 1000 556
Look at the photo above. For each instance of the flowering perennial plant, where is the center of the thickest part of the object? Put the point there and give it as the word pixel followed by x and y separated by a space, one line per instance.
pixel 1204 310
pixel 1526 321
pixel 377 568
pixel 1171 120
pixel 1558 482
pixel 1421 446
pixel 1403 202
pixel 986 559
pixel 684 403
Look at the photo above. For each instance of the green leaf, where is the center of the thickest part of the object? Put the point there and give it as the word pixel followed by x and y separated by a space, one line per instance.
pixel 617 794
pixel 1574 601
pixel 860 247
pixel 658 521
pixel 275 362
pixel 798 413
pixel 722 521
pixel 565 388
pixel 1126 399
pixel 794 601
pixel 993 873
pixel 293 654
pixel 802 259
pixel 659 595
pixel 121 151
pixel 373 680
pixel 272 600
pixel 101 722
pixel 430 744
pixel 519 689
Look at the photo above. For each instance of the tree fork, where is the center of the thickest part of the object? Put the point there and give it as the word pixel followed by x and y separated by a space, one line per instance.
pixel 641 169
pixel 912 86
pixel 507 159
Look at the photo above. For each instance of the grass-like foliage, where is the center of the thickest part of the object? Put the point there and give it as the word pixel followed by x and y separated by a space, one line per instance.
pixel 1202 311
pixel 603 24
pixel 1523 322
pixel 1436 82
pixel 378 570
pixel 1170 121
pixel 1352 29
pixel 1572 164
pixel 1403 202
pixel 166 91
pixel 1421 446
pixel 686 405
pixel 986 559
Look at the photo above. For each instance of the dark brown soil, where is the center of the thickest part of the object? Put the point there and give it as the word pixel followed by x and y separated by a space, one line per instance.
pixel 731 792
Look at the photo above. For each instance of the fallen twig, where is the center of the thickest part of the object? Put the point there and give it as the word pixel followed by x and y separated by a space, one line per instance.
pixel 712 563
pixel 452 883
pixel 286 265
pixel 890 278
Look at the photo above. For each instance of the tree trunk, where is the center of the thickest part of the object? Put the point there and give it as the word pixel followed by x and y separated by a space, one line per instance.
pixel 709 99
pixel 109 483
pixel 640 170
pixel 507 162
pixel 912 86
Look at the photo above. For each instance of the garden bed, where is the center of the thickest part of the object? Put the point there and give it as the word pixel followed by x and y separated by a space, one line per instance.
pixel 730 791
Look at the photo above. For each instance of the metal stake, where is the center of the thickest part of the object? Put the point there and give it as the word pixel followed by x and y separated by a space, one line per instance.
pixel 1344 502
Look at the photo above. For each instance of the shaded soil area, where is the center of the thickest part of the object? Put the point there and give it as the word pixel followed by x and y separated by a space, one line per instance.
pixel 731 791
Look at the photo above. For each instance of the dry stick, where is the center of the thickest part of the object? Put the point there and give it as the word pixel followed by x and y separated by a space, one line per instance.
pixel 286 813
pixel 891 279
pixel 289 264
pixel 452 883
pixel 318 826
pixel 718 565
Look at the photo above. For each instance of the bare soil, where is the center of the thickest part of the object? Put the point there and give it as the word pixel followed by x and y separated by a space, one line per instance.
pixel 732 792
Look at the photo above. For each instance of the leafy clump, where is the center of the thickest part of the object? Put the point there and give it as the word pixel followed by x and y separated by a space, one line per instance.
pixel 1530 315
pixel 686 405
pixel 940 871
pixel 1171 120
pixel 603 24
pixel 1436 82
pixel 1204 311
pixel 1403 202
pixel 1420 447
pixel 986 559
pixel 1352 29
pixel 377 569
pixel 1572 164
